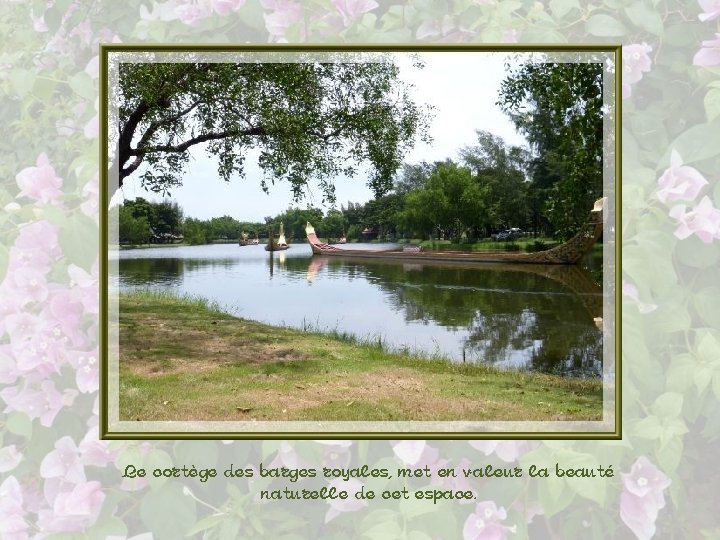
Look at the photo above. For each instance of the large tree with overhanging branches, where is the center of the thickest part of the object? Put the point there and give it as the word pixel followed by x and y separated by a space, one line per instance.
pixel 306 120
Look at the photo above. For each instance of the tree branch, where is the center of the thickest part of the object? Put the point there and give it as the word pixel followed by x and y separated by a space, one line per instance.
pixel 211 136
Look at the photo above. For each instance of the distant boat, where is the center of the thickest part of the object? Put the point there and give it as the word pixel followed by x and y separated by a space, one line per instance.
pixel 568 253
pixel 277 245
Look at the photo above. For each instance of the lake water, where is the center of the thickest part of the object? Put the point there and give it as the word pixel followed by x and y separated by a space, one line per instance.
pixel 510 316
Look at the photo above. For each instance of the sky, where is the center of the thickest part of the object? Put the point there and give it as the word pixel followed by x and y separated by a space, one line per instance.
pixel 461 86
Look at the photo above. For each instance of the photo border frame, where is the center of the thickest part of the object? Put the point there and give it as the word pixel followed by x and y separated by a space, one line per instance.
pixel 107 433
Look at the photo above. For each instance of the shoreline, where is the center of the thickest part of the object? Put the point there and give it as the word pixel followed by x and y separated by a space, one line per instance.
pixel 184 359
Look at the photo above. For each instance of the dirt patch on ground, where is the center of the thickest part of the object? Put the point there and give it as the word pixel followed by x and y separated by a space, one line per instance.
pixel 415 398
pixel 167 350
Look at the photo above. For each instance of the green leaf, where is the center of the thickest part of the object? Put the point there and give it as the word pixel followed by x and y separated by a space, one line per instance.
pixel 594 489
pixel 680 373
pixel 670 454
pixel 22 81
pixel 668 405
pixel 643 16
pixel 706 302
pixel 702 376
pixel 79 241
pixel 695 253
pixel 82 84
pixel 700 142
pixel 605 26
pixel 670 318
pixel 553 494
pixel 707 347
pixel 560 8
pixel 208 522
pixel 167 512
pixel 712 104
pixel 20 424
pixel 383 531
pixel 648 428
pixel 716 384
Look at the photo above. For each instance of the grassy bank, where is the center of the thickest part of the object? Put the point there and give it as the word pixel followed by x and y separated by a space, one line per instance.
pixel 183 359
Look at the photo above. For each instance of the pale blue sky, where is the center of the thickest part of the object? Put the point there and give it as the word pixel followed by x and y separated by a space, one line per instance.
pixel 463 88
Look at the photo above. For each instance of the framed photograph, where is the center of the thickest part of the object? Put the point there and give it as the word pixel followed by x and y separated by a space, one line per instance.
pixel 360 242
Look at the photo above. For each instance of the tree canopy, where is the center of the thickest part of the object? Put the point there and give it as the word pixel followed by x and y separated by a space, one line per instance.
pixel 559 106
pixel 307 121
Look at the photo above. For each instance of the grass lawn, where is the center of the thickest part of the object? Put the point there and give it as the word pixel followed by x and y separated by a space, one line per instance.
pixel 183 359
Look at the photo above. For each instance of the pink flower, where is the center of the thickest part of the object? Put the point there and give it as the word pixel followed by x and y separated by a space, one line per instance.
pixel 87 372
pixel 192 14
pixel 703 221
pixel 224 7
pixel 353 9
pixel 85 285
pixel 65 310
pixel 484 523
pixel 630 291
pixel 431 28
pixel 709 55
pixel 91 194
pixel 64 462
pixel 92 127
pixel 73 510
pixel 30 284
pixel 351 504
pixel 409 452
pixel 41 401
pixel 39 182
pixel 285 13
pixel 642 497
pixel 39 24
pixel 39 236
pixel 336 454
pixel 12 522
pixel 9 458
pixel 96 452
pixel 507 451
pixel 711 9
pixel 635 62
pixel 679 182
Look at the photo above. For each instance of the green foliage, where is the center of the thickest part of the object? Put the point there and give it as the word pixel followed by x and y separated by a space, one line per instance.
pixel 559 107
pixel 308 120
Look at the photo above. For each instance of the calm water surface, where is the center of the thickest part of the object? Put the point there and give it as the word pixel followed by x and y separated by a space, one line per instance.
pixel 510 316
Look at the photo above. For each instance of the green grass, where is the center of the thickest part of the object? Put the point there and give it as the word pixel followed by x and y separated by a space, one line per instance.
pixel 184 359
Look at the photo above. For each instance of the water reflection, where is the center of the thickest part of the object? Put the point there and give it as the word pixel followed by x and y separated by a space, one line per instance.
pixel 511 316
pixel 532 317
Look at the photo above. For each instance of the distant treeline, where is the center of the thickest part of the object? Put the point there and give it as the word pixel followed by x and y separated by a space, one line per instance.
pixel 492 187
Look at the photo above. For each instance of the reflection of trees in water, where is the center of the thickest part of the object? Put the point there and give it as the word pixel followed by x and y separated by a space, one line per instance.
pixel 165 271
pixel 524 317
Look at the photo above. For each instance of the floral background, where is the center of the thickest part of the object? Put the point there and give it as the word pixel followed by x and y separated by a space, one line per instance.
pixel 59 481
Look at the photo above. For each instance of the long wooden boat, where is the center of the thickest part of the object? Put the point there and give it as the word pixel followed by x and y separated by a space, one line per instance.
pixel 568 253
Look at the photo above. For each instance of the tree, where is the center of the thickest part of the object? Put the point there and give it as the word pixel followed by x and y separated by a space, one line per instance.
pixel 498 170
pixel 132 229
pixel 450 203
pixel 308 120
pixel 559 106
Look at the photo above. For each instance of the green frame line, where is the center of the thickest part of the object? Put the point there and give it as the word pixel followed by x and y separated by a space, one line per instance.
pixel 105 433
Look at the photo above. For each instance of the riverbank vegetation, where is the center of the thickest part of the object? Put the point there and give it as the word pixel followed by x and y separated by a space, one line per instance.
pixel 185 359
